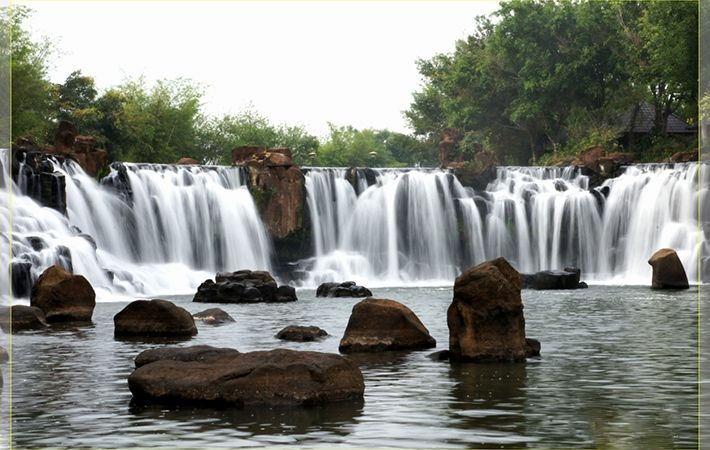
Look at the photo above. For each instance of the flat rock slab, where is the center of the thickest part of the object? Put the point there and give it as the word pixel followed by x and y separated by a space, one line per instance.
pixel 276 377
pixel 200 353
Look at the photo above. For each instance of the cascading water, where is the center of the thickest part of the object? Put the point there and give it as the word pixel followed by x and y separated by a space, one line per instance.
pixel 651 207
pixel 424 226
pixel 158 229
pixel 176 227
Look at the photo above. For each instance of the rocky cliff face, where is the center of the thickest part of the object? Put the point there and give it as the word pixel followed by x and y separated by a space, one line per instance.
pixel 278 188
pixel 80 148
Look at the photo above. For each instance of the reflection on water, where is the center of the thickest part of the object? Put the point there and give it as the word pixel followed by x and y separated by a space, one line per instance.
pixel 618 368
pixel 490 400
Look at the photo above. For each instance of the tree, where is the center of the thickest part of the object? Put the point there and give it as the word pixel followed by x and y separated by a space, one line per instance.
pixel 157 125
pixel 347 146
pixel 76 102
pixel 218 136
pixel 31 92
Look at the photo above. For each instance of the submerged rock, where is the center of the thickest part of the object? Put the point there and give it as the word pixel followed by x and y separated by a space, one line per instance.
pixel 213 316
pixel 381 324
pixel 485 318
pixel 244 286
pixel 668 271
pixel 4 355
pixel 344 289
pixel 23 318
pixel 300 333
pixel 153 319
pixel 63 297
pixel 276 377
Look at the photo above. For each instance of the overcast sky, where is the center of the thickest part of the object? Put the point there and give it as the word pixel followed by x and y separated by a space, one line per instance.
pixel 297 63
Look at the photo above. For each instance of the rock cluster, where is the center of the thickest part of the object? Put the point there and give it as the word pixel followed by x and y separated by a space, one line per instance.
pixel 244 286
pixel 567 278
pixel 485 318
pixel 344 289
pixel 382 324
pixel 276 377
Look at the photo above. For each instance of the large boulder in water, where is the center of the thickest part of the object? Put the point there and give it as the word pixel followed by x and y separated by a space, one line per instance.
pixel 344 289
pixel 668 271
pixel 485 318
pixel 63 297
pixel 244 286
pixel 381 324
pixel 23 318
pixel 276 377
pixel 153 319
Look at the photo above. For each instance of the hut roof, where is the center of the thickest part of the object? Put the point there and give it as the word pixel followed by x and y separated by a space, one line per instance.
pixel 643 122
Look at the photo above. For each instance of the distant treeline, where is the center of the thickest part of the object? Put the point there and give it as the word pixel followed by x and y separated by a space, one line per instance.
pixel 536 78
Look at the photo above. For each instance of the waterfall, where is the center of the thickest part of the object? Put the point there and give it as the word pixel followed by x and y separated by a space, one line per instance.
pixel 161 229
pixel 402 228
pixel 423 226
pixel 177 226
pixel 651 207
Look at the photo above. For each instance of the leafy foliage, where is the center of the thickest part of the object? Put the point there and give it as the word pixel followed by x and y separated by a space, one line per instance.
pixel 549 76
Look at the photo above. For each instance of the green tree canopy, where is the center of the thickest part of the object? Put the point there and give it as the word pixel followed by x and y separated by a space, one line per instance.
pixel 32 105
pixel 529 80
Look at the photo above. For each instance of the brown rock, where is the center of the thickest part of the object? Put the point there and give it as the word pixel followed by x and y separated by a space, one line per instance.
pixel 485 318
pixel 300 334
pixel 276 377
pixel 213 316
pixel 381 324
pixel 62 296
pixel 187 161
pixel 153 318
pixel 200 353
pixel 668 271
pixel 23 318
pixel 681 157
pixel 4 355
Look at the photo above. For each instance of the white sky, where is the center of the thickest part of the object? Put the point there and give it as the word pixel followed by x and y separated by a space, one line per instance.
pixel 296 63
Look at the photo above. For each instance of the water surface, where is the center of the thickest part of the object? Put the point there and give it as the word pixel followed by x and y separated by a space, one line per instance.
pixel 619 367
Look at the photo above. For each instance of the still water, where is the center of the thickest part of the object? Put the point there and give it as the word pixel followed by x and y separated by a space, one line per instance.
pixel 619 368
